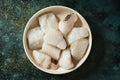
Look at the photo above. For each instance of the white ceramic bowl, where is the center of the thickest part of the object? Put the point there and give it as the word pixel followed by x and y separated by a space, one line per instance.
pixel 60 12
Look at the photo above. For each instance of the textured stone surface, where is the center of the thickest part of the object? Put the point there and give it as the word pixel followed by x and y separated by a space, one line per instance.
pixel 103 17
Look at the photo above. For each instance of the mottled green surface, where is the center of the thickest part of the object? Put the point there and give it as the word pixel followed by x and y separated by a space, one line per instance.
pixel 103 17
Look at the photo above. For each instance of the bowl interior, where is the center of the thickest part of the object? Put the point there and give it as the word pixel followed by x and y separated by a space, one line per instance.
pixel 60 12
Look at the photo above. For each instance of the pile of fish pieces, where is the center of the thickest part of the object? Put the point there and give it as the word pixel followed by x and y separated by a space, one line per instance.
pixel 56 44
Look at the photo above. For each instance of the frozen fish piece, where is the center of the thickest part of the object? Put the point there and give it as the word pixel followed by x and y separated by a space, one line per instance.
pixel 77 33
pixel 43 23
pixel 47 62
pixel 55 38
pixel 43 20
pixel 39 57
pixel 47 21
pixel 66 25
pixel 42 59
pixel 62 44
pixel 52 21
pixel 35 38
pixel 65 60
pixel 78 48
pixel 51 51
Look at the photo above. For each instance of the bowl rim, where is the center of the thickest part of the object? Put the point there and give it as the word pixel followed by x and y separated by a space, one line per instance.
pixel 84 57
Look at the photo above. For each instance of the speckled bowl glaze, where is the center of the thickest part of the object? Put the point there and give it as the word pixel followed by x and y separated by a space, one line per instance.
pixel 60 11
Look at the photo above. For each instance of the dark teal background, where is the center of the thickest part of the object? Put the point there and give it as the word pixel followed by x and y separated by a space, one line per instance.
pixel 103 16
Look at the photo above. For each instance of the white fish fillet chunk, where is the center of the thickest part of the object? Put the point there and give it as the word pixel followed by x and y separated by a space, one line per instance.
pixel 42 59
pixel 47 21
pixel 47 62
pixel 78 48
pixel 52 21
pixel 77 33
pixel 55 38
pixel 51 51
pixel 66 25
pixel 35 38
pixel 65 60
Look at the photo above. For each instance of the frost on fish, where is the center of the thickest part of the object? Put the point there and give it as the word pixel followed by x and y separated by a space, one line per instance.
pixel 47 21
pixel 35 38
pixel 65 60
pixel 42 59
pixel 55 38
pixel 78 48
pixel 51 51
pixel 77 33
pixel 66 25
